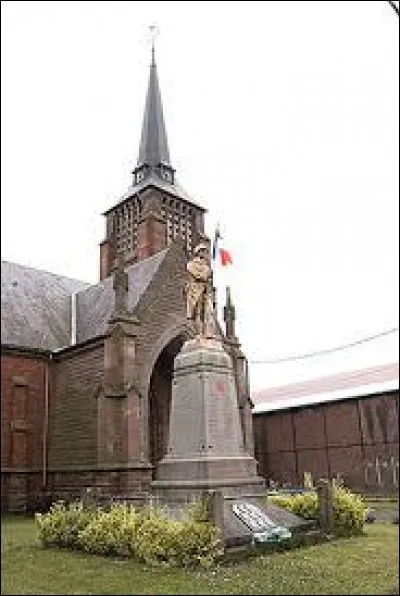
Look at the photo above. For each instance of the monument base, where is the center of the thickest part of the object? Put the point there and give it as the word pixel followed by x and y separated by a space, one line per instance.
pixel 206 453
pixel 205 449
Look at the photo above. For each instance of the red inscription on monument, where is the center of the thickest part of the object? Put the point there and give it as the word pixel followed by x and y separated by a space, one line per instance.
pixel 220 387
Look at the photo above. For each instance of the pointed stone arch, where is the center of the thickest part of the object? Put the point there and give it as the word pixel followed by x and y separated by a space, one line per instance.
pixel 158 383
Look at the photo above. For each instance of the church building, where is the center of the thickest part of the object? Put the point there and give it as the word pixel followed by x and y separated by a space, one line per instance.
pixel 86 370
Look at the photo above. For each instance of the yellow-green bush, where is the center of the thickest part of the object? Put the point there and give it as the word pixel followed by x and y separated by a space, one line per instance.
pixel 348 511
pixel 111 532
pixel 162 541
pixel 155 538
pixel 304 505
pixel 198 543
pixel 121 530
pixel 60 526
pixel 348 508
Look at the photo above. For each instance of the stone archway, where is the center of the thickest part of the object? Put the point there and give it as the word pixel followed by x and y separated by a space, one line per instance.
pixel 160 389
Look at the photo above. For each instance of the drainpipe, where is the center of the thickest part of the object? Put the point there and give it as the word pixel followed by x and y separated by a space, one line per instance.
pixel 73 319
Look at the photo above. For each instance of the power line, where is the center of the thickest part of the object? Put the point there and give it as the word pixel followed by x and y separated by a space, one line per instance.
pixel 328 350
pixel 394 6
pixel 343 346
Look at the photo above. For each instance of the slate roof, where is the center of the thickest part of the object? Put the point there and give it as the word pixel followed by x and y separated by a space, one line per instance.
pixel 36 305
pixel 153 179
pixel 358 383
pixel 96 303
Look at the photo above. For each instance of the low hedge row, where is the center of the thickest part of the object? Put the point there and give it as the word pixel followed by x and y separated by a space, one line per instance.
pixel 349 509
pixel 121 530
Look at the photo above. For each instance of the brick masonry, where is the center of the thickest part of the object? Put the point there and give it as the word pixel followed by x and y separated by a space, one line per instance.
pixel 95 420
pixel 22 406
pixel 92 437
pixel 109 398
pixel 106 259
pixel 356 439
pixel 106 483
pixel 75 382
pixel 152 233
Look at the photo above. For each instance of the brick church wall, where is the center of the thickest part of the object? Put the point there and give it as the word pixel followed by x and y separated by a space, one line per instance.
pixel 165 295
pixel 22 407
pixel 75 378
pixel 74 466
pixel 75 383
pixel 356 439
pixel 167 311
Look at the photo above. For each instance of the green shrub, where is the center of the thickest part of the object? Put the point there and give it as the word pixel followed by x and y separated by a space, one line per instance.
pixel 348 508
pixel 111 532
pixel 61 525
pixel 162 541
pixel 198 543
pixel 348 511
pixel 304 505
pixel 122 531
pixel 155 543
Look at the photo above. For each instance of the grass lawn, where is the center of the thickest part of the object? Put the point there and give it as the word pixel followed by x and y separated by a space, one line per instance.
pixel 364 565
pixel 383 504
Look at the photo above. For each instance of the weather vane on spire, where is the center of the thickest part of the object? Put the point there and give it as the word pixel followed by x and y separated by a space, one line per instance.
pixel 153 34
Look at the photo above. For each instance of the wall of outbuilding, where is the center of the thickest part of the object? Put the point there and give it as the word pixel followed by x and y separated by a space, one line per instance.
pixel 356 439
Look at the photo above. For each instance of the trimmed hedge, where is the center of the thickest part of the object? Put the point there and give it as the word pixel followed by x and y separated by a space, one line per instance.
pixel 63 523
pixel 183 543
pixel 111 533
pixel 349 509
pixel 147 534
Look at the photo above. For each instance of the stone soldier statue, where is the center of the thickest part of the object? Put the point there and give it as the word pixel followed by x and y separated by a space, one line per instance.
pixel 199 305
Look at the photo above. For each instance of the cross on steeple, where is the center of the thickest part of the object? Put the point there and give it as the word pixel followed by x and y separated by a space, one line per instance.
pixel 153 148
pixel 153 34
pixel 155 210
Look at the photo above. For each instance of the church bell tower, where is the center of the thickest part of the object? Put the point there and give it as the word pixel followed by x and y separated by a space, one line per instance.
pixel 155 210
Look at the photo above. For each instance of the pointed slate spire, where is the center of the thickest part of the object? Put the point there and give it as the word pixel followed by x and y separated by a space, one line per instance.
pixel 153 148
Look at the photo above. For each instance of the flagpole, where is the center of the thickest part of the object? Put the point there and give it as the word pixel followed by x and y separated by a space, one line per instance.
pixel 213 269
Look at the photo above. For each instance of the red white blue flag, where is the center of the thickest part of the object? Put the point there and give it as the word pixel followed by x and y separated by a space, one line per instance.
pixel 224 255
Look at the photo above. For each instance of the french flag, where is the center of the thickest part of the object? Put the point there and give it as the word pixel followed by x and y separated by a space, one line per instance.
pixel 224 255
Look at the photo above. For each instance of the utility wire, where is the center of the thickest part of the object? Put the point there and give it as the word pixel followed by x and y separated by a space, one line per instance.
pixel 343 346
pixel 394 6
pixel 328 350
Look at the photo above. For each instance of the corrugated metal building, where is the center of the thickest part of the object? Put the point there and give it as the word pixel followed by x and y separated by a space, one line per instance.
pixel 340 425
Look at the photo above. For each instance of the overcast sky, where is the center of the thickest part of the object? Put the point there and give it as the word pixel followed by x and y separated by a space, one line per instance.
pixel 282 120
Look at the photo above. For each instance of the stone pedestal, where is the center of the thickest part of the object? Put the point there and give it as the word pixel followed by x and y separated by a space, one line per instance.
pixel 325 502
pixel 205 449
